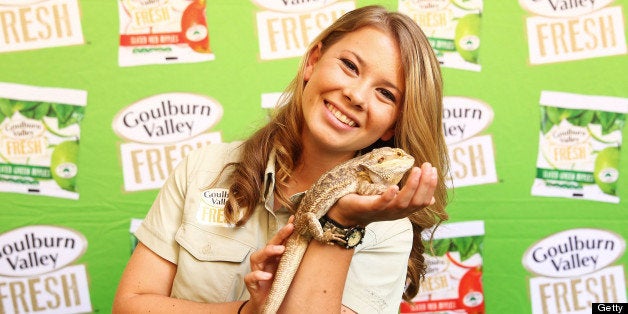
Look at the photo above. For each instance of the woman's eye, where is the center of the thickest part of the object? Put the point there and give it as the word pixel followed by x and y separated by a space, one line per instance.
pixel 386 93
pixel 350 65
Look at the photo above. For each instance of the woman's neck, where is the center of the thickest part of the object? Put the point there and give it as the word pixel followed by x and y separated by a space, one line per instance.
pixel 312 165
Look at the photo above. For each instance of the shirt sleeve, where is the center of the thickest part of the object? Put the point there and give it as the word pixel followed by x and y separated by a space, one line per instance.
pixel 160 225
pixel 377 275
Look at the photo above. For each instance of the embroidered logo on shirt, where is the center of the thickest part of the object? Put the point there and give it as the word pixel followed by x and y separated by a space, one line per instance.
pixel 210 209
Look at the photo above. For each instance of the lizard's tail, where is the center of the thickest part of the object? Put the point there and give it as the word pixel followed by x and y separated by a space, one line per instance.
pixel 288 265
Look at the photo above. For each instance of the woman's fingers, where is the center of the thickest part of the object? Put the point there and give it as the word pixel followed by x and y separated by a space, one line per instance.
pixel 416 194
pixel 253 279
pixel 260 257
pixel 284 233
pixel 419 189
pixel 424 195
pixel 264 264
pixel 268 255
pixel 409 190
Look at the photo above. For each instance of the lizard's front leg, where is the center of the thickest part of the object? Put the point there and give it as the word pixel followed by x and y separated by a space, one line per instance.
pixel 368 188
pixel 313 228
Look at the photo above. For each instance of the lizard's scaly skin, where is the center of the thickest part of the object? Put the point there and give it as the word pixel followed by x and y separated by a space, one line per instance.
pixel 368 174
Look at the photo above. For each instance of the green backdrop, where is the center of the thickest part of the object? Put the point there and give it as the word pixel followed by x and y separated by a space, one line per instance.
pixel 237 77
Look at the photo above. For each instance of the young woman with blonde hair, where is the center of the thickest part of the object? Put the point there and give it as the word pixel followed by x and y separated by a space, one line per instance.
pixel 212 239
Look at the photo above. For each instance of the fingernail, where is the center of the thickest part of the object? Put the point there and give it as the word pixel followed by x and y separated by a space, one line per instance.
pixel 434 173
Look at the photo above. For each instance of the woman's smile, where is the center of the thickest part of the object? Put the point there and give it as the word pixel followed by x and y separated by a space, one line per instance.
pixel 340 116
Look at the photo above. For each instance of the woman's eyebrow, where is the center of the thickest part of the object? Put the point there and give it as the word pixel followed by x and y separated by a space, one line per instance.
pixel 360 61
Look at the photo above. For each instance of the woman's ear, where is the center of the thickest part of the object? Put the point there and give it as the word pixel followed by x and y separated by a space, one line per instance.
pixel 313 56
pixel 388 134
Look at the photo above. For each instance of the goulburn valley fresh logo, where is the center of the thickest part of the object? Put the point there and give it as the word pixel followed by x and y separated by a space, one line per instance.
pixel 36 263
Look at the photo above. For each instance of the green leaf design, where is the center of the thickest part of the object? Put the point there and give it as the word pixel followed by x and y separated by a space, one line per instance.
pixel 606 120
pixel 67 123
pixel 554 114
pixel 468 246
pixel 473 248
pixel 438 247
pixel 617 125
pixel 41 110
pixel 587 117
pixel 462 244
pixel 24 106
pixel 28 109
pixel 64 112
pixel 583 118
pixel 572 113
pixel 6 107
pixel 546 123
pixel 51 113
pixel 74 115
pixel 28 113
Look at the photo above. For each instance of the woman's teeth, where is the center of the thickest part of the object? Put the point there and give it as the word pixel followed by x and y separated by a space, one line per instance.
pixel 340 116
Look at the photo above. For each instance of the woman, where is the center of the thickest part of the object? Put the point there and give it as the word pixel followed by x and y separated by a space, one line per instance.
pixel 212 239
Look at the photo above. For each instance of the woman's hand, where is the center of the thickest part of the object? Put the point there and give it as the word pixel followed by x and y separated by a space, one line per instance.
pixel 416 194
pixel 264 264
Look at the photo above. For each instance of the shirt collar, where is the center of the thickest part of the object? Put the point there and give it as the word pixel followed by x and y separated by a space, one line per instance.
pixel 268 196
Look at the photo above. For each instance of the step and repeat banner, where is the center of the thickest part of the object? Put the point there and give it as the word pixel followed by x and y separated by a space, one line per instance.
pixel 100 100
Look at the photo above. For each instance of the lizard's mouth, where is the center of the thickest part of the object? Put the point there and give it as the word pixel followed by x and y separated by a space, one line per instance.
pixel 340 116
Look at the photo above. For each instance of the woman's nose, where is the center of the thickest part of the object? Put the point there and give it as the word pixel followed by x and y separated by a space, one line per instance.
pixel 355 94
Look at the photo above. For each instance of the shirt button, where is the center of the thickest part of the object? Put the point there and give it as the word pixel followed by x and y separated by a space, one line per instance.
pixel 206 249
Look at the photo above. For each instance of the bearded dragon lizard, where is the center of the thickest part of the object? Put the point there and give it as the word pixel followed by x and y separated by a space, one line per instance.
pixel 368 174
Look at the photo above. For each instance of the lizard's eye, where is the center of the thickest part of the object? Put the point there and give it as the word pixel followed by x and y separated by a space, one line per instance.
pixel 381 160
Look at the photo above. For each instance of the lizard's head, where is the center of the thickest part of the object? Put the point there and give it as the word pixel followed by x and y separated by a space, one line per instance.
pixel 387 165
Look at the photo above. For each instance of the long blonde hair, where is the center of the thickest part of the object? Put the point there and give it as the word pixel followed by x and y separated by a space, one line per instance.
pixel 418 130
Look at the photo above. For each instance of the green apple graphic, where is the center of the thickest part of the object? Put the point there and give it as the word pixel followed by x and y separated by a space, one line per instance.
pixel 63 165
pixel 467 37
pixel 606 170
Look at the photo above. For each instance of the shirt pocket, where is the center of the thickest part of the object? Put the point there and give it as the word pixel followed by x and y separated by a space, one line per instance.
pixel 212 264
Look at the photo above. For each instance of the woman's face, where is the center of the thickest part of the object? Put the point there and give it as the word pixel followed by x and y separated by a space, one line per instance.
pixel 353 92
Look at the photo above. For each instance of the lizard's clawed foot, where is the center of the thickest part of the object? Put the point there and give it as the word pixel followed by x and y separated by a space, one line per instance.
pixel 328 237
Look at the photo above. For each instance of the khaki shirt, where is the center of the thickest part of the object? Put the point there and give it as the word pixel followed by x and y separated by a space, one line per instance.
pixel 186 226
